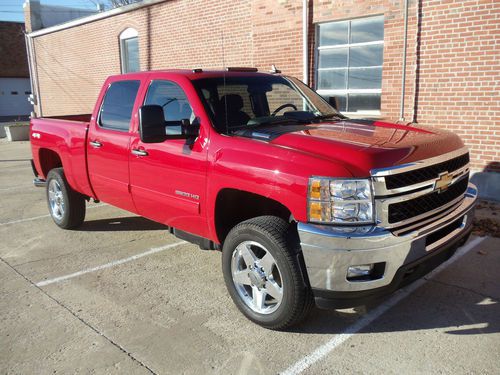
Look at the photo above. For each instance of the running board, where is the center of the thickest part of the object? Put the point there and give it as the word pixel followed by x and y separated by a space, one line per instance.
pixel 39 182
pixel 202 242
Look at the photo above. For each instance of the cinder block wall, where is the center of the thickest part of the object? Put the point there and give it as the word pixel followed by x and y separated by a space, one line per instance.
pixel 453 65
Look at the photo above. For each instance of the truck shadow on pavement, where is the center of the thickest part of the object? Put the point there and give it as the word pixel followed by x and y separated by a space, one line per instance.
pixel 434 306
pixel 121 224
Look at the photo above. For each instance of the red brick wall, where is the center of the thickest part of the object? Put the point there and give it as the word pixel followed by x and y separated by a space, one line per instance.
pixel 457 65
pixel 73 63
pixel 13 60
pixel 460 72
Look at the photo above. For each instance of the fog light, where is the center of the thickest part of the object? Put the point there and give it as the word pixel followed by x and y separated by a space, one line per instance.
pixel 366 272
pixel 361 271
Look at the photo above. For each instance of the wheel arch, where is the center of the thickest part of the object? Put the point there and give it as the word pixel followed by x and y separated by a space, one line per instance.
pixel 49 159
pixel 232 206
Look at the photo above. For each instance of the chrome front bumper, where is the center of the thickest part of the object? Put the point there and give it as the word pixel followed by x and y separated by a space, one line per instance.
pixel 329 251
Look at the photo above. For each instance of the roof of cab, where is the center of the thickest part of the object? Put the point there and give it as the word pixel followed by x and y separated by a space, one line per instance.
pixel 194 74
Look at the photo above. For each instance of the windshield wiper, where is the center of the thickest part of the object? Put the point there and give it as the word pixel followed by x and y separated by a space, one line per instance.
pixel 330 115
pixel 286 121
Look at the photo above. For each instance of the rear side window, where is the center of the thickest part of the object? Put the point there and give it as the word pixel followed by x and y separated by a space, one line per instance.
pixel 117 106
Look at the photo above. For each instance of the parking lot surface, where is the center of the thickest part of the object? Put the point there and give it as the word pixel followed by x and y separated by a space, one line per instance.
pixel 122 295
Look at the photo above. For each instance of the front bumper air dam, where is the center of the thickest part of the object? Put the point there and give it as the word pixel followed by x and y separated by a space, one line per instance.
pixel 329 251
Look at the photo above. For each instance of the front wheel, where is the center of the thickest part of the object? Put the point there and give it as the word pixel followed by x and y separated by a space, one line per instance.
pixel 262 270
pixel 66 206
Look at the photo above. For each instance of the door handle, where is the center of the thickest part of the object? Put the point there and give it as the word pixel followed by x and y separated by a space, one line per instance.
pixel 95 144
pixel 139 152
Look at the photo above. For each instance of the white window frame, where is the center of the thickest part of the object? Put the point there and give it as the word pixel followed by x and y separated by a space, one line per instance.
pixel 346 91
pixel 127 34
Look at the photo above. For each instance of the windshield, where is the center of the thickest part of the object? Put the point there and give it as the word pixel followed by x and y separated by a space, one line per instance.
pixel 236 103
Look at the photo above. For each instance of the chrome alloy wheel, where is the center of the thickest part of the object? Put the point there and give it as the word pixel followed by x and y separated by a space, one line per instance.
pixel 257 277
pixel 56 200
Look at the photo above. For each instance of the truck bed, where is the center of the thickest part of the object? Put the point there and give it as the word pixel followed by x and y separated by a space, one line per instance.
pixel 61 140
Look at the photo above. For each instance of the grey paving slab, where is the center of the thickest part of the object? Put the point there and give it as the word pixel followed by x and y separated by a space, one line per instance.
pixel 38 336
pixel 41 250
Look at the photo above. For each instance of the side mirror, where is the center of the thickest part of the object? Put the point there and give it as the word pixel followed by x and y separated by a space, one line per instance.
pixel 152 124
pixel 191 129
pixel 154 129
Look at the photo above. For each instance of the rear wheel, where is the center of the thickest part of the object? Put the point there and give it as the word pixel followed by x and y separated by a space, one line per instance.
pixel 262 271
pixel 66 206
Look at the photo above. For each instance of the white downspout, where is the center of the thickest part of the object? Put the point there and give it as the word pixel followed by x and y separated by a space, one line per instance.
pixel 403 83
pixel 35 92
pixel 305 41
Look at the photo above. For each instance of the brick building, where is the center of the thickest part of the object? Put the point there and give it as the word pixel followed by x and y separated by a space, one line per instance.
pixel 351 49
pixel 14 73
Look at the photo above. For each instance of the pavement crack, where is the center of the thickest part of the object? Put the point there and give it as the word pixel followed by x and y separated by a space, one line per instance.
pixel 461 287
pixel 41 260
pixel 110 340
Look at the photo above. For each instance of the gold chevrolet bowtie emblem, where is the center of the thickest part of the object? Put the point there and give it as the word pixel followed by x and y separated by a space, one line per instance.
pixel 443 182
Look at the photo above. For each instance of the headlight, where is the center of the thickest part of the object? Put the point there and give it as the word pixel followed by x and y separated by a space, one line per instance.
pixel 347 201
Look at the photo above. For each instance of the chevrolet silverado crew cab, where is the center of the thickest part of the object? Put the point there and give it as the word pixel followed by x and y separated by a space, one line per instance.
pixel 307 206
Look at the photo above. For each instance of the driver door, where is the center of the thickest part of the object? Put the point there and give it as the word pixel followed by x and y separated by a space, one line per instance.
pixel 168 179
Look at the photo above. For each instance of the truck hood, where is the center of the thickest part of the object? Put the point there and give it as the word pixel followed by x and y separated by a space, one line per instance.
pixel 360 145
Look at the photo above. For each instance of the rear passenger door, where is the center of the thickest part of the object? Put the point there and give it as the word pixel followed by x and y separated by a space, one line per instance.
pixel 109 141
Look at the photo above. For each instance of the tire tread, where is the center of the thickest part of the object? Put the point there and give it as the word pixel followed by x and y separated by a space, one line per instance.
pixel 279 231
pixel 76 202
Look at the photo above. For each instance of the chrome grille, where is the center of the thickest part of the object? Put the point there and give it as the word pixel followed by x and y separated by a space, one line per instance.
pixel 426 203
pixel 408 194
pixel 425 174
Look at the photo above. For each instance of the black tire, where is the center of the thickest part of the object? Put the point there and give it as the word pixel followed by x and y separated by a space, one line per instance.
pixel 73 214
pixel 281 241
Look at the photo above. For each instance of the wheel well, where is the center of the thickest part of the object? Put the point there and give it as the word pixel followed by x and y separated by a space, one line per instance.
pixel 234 206
pixel 49 160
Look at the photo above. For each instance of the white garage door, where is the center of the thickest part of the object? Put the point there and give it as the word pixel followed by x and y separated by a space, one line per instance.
pixel 14 94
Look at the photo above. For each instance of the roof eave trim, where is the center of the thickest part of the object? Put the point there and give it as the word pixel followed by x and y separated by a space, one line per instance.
pixel 95 17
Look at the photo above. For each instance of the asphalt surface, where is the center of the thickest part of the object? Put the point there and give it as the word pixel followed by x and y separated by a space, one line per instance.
pixel 137 301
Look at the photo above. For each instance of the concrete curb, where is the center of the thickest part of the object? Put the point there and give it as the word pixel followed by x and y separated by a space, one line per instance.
pixel 488 185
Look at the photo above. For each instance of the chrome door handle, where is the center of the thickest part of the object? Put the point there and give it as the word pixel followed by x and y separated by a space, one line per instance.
pixel 139 152
pixel 95 144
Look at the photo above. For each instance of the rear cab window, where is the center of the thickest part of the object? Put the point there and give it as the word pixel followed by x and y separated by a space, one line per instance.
pixel 118 104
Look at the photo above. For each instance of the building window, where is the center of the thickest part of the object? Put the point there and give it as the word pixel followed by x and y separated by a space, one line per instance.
pixel 129 51
pixel 349 63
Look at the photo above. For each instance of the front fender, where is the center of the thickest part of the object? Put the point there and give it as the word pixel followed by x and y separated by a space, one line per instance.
pixel 267 170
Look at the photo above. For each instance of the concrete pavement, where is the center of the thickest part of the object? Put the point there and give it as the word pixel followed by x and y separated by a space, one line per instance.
pixel 169 312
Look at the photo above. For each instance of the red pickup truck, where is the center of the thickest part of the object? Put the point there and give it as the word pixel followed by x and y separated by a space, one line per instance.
pixel 307 206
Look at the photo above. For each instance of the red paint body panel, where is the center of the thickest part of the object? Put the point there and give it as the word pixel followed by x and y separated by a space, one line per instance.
pixel 177 184
pixel 169 185
pixel 67 139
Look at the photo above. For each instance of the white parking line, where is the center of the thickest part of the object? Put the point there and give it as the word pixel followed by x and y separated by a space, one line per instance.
pixel 43 216
pixel 325 349
pixel 154 250
pixel 16 187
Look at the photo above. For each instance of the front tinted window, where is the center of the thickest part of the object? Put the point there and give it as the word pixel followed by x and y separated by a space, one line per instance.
pixel 172 98
pixel 174 102
pixel 117 106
